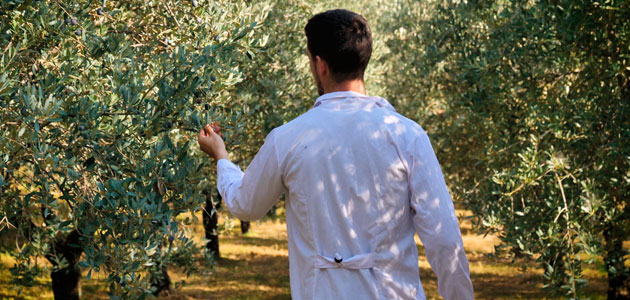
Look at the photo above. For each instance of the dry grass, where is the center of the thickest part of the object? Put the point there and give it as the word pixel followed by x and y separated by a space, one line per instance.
pixel 255 266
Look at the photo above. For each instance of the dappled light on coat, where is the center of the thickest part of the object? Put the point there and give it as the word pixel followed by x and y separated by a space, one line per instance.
pixel 354 172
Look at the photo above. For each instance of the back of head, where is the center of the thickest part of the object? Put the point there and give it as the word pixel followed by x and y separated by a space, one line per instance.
pixel 342 39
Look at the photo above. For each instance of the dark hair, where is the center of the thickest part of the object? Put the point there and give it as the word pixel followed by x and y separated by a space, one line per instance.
pixel 343 39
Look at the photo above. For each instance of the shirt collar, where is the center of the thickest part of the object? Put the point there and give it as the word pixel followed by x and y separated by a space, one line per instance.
pixel 335 95
pixel 351 94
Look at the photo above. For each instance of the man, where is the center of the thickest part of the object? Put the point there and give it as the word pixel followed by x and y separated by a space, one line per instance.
pixel 359 179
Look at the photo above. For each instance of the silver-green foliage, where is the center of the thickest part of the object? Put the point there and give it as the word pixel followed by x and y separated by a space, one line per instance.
pixel 100 110
pixel 528 104
pixel 277 86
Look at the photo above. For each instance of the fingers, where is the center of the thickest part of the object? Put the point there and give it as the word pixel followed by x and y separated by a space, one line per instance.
pixel 203 133
pixel 211 141
pixel 215 127
pixel 208 129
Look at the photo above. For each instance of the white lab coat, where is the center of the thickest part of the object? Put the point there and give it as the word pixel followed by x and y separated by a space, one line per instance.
pixel 360 180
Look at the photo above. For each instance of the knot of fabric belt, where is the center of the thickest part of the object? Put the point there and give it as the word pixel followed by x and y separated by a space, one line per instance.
pixel 360 261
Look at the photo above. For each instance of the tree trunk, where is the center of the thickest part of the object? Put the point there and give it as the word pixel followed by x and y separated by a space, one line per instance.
pixel 245 226
pixel 210 223
pixel 618 273
pixel 66 281
pixel 160 281
pixel 272 211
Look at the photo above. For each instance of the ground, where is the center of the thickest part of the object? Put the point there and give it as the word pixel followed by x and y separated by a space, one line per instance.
pixel 255 266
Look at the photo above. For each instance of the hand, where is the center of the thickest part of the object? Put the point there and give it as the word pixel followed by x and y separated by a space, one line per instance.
pixel 211 142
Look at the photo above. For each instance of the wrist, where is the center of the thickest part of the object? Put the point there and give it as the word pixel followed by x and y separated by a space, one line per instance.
pixel 221 156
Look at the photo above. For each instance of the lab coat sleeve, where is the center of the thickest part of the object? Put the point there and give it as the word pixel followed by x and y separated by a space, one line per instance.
pixel 250 195
pixel 435 221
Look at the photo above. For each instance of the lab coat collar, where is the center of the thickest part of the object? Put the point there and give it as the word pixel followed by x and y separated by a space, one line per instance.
pixel 351 94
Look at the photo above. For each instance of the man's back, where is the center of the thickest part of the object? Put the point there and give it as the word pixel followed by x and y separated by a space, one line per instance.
pixel 360 179
pixel 348 195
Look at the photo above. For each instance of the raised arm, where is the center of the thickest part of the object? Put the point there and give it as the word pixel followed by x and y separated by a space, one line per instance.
pixel 435 221
pixel 247 195
pixel 250 195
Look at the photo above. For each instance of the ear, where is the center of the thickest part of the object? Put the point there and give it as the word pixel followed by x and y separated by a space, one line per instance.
pixel 322 66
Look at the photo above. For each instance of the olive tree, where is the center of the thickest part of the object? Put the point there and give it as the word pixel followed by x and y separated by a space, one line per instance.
pixel 528 103
pixel 101 105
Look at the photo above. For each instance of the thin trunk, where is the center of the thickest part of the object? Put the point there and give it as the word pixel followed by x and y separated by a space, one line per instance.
pixel 272 211
pixel 618 273
pixel 210 223
pixel 245 226
pixel 160 281
pixel 66 281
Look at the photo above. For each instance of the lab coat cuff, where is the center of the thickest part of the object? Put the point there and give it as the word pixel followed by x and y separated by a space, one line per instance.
pixel 225 163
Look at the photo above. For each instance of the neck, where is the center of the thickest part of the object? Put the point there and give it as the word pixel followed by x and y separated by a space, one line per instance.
pixel 355 85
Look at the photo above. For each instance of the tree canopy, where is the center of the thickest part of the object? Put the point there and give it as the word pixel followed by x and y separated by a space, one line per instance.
pixel 526 103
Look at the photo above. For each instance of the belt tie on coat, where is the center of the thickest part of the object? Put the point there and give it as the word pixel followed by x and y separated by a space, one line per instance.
pixel 360 261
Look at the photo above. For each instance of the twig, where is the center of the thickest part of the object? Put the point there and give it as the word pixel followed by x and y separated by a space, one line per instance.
pixel 172 14
pixel 157 81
